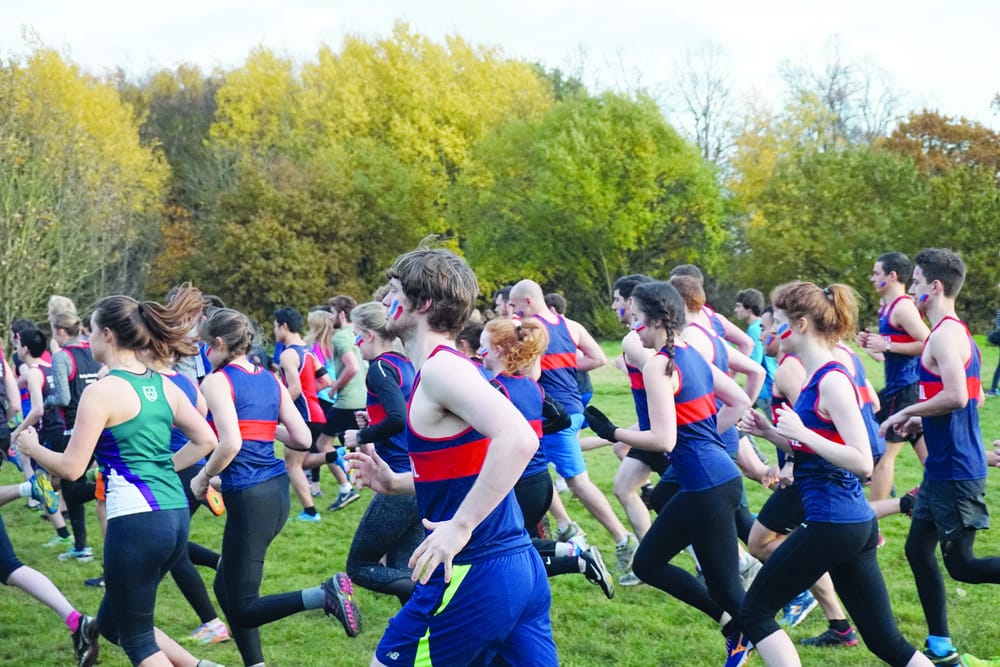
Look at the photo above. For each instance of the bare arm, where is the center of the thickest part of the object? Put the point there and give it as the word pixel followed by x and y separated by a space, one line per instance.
pixel 594 355
pixel 456 387
pixel 10 387
pixel 754 372
pixel 949 348
pixel 905 316
pixel 662 434
pixel 91 417
pixel 34 378
pixel 296 431
pixel 734 400
pixel 738 337
pixel 201 439
pixel 839 400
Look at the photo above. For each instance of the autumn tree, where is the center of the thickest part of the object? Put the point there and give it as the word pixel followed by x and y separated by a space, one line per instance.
pixel 79 194
pixel 938 144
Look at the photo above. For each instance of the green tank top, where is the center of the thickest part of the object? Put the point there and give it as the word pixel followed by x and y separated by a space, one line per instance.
pixel 135 455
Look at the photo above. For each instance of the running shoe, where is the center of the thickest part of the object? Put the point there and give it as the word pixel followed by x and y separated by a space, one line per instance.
pixel 84 555
pixel 749 567
pixel 796 611
pixel 214 501
pixel 596 572
pixel 832 638
pixel 95 582
pixel 344 498
pixel 738 649
pixel 625 553
pixel 85 642
pixel 308 518
pixel 57 541
pixel 339 603
pixel 14 458
pixel 629 579
pixel 213 632
pixel 951 659
pixel 569 532
pixel 42 491
pixel 315 491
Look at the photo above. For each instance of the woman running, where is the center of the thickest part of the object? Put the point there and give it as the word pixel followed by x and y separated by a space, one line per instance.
pixel 826 437
pixel 685 421
pixel 246 404
pixel 512 350
pixel 124 420
pixel 390 529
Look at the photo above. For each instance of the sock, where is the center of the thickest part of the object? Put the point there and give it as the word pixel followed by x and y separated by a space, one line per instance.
pixel 622 542
pixel 345 487
pixel 209 663
pixel 311 511
pixel 331 457
pixel 24 489
pixel 73 620
pixel 566 549
pixel 939 645
pixel 840 625
pixel 63 532
pixel 313 598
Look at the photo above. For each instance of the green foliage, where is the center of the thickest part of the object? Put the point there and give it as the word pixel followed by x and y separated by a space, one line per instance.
pixel 826 216
pixel 598 187
pixel 79 194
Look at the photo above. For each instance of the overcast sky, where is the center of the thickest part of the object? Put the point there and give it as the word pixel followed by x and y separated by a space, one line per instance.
pixel 944 56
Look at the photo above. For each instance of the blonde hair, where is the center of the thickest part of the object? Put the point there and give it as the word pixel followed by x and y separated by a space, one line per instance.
pixel 372 317
pixel 832 310
pixel 320 331
pixel 521 342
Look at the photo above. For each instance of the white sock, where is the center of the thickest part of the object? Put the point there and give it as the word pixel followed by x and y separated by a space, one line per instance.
pixel 24 489
pixel 345 487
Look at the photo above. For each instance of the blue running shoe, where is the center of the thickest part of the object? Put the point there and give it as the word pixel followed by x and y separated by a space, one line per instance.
pixel 796 611
pixel 738 650
pixel 309 518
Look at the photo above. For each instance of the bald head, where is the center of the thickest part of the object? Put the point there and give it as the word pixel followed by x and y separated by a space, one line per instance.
pixel 527 298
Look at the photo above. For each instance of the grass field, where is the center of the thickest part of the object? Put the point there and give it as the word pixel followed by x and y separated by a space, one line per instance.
pixel 641 626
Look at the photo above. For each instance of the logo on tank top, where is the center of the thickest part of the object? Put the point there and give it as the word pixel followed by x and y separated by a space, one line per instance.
pixel 150 393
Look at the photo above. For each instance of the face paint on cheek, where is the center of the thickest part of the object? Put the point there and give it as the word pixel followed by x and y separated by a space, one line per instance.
pixel 395 310
pixel 882 284
pixel 621 313
pixel 768 340
pixel 636 327
pixel 923 298
pixel 482 352
pixel 358 340
pixel 784 331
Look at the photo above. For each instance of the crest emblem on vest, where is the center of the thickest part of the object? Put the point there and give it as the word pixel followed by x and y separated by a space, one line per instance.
pixel 149 393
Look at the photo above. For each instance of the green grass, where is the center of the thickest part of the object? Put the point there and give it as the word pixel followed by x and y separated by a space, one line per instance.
pixel 641 626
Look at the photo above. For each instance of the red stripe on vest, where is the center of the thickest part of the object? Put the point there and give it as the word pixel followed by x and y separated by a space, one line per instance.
pixel 696 410
pixel 558 360
pixel 449 463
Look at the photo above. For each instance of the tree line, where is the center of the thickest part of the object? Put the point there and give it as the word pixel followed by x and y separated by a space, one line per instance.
pixel 281 182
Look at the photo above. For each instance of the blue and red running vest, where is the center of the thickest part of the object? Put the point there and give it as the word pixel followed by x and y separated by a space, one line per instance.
pixel 900 369
pixel 954 440
pixel 526 395
pixel 699 458
pixel 830 494
pixel 559 367
pixel 445 469
pixel 257 397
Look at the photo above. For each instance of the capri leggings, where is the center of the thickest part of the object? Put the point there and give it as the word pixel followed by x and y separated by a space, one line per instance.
pixel 254 517
pixel 704 519
pixel 9 562
pixel 847 552
pixel 139 549
pixel 389 528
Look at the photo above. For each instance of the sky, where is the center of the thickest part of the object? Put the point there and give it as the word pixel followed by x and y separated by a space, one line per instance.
pixel 942 56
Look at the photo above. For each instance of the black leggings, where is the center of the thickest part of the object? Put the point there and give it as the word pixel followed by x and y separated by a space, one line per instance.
pixel 534 495
pixel 958 558
pixel 77 493
pixel 183 572
pixel 390 528
pixel 847 552
pixel 254 517
pixel 705 520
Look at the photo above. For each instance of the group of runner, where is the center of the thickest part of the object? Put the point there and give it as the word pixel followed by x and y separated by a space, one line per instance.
pixel 454 427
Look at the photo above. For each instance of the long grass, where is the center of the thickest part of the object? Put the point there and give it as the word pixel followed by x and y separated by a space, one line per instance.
pixel 641 626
